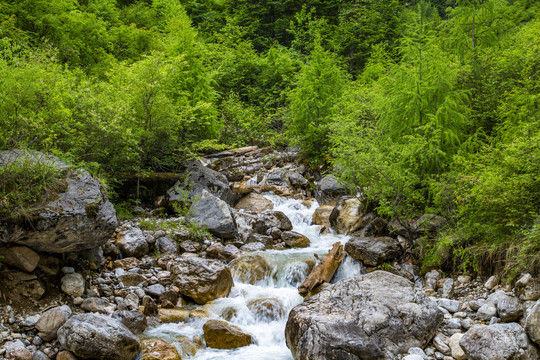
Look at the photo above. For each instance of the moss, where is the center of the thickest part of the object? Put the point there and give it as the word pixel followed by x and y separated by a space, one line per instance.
pixel 92 209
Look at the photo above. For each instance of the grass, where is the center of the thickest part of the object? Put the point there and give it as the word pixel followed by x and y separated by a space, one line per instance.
pixel 195 232
pixel 26 184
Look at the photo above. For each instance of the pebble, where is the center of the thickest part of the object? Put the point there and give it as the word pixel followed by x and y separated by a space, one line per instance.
pixel 68 270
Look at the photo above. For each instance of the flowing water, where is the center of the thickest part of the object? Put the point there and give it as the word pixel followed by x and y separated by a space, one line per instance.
pixel 277 292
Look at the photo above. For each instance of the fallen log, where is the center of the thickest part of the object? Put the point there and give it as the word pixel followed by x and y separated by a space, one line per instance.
pixel 323 272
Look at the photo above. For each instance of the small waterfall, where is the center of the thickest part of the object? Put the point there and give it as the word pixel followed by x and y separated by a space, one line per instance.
pixel 262 308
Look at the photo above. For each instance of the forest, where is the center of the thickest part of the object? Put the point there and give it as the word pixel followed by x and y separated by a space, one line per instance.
pixel 423 107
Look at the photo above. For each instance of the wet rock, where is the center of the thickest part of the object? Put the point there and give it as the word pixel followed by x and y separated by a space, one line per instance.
pixel 200 313
pixel 51 321
pixel 498 342
pixel 254 203
pixel 202 280
pixel 294 239
pixel 348 215
pixel 220 334
pixel 387 315
pixel 173 315
pixel 267 309
pixel 213 213
pixel 15 350
pixel 98 305
pixel 156 349
pixel 166 246
pixel 73 284
pixel 98 337
pixel 250 268
pixel 134 320
pixel 79 218
pixel 275 219
pixel 532 323
pixel 21 257
pixel 328 191
pixel 321 216
pixel 373 251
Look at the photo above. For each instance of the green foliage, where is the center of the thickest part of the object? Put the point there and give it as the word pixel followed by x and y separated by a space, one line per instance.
pixel 26 185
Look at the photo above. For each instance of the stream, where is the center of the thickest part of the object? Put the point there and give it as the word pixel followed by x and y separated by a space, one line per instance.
pixel 267 327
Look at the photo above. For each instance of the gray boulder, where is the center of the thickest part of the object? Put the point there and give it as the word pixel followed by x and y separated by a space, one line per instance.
pixel 132 243
pixel 200 279
pixel 498 342
pixel 373 251
pixel 80 218
pixel 166 246
pixel 215 214
pixel 329 191
pixel 134 320
pixel 349 215
pixel 375 316
pixel 91 336
pixel 201 178
pixel 532 323
pixel 509 307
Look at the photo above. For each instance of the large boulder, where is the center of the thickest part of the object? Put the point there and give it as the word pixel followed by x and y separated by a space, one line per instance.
pixel 79 218
pixel 200 178
pixel 294 239
pixel 91 336
pixel 215 214
pixel 375 316
pixel 250 268
pixel 532 323
pixel 254 202
pixel 348 215
pixel 373 251
pixel 51 320
pixel 276 219
pixel 498 342
pixel 132 243
pixel 220 334
pixel 329 191
pixel 200 279
pixel 321 216
pixel 509 308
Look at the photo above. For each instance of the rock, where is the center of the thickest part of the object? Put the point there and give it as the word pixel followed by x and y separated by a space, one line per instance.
pixel 229 252
pixel 441 345
pixel 430 223
pixel 275 219
pixel 296 179
pixel 65 355
pixel 254 203
pixel 450 305
pixel 386 315
pixel 524 280
pixel 30 321
pixel 492 282
pixel 79 218
pixel 15 350
pixel 250 268
pixel 98 337
pixel 447 288
pixel 413 357
pixel 530 291
pixel 40 355
pixel 294 239
pixel 348 215
pixel 509 307
pixel 132 243
pixel 373 251
pixel 455 348
pixel 166 246
pixel 200 279
pixel 73 284
pixel 190 246
pixel 255 246
pixel 49 264
pixel 486 312
pixel 498 342
pixel 201 179
pixel 134 320
pixel 213 213
pixel 532 323
pixel 51 320
pixel 328 191
pixel 200 313
pixel 155 290
pixel 173 315
pixel 267 309
pixel 219 334
pixel 98 305
pixel 156 349
pixel 432 278
pixel 130 279
pixel 321 216
pixel 21 257
pixel 150 308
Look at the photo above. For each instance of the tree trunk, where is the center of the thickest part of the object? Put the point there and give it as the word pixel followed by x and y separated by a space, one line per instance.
pixel 323 272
